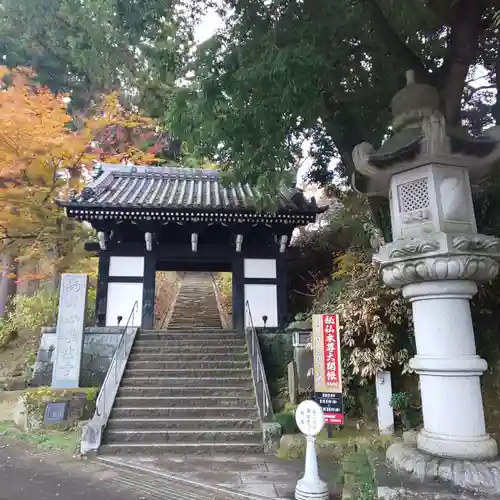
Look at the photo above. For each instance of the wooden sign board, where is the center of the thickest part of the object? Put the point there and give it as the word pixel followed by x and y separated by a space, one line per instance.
pixel 327 367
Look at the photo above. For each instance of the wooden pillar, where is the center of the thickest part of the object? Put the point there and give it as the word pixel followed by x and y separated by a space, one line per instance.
pixel 238 294
pixel 102 288
pixel 148 298
pixel 282 291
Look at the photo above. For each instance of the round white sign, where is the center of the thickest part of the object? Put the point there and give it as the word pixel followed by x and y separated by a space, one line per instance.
pixel 310 418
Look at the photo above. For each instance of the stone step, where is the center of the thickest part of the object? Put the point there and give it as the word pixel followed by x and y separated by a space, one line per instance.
pixel 189 291
pixel 205 342
pixel 196 363
pixel 203 316
pixel 208 329
pixel 187 392
pixel 176 401
pixel 192 372
pixel 189 331
pixel 183 356
pixel 180 413
pixel 192 305
pixel 196 310
pixel 182 436
pixel 129 380
pixel 131 423
pixel 239 448
pixel 215 333
pixel 188 348
pixel 205 319
pixel 191 308
pixel 202 323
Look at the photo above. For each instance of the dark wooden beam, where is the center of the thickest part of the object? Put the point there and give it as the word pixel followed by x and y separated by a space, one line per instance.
pixel 282 291
pixel 238 294
pixel 148 294
pixel 102 288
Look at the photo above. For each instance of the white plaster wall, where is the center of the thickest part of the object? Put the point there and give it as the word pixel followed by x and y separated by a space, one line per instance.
pixel 126 266
pixel 263 301
pixel 121 298
pixel 260 268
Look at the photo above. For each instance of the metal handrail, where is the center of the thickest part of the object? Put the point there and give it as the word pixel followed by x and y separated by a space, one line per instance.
pixel 92 432
pixel 264 402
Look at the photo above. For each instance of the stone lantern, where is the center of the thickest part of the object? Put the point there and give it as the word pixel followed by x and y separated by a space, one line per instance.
pixel 437 258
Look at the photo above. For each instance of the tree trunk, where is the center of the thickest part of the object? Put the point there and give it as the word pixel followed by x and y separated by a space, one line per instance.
pixel 496 108
pixel 7 282
pixel 466 26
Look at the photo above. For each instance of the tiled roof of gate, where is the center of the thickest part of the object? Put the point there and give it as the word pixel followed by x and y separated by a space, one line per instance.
pixel 129 186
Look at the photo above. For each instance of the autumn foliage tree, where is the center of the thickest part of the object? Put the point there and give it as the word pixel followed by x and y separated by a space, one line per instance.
pixel 44 154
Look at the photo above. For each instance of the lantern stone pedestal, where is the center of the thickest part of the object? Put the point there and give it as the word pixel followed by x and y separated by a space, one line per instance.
pixel 437 258
pixel 446 359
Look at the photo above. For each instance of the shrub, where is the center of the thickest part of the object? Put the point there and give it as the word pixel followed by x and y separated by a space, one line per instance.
pixel 33 312
pixel 225 284
pixel 36 400
pixel 7 333
pixel 287 421
pixel 405 410
pixel 40 309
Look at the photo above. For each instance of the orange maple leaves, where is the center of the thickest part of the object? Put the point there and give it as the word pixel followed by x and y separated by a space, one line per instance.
pixel 44 152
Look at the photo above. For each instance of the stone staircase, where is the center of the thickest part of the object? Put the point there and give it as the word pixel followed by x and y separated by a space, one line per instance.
pixel 196 305
pixel 186 390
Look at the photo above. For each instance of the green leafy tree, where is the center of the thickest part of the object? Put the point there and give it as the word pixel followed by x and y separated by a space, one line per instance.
pixel 282 72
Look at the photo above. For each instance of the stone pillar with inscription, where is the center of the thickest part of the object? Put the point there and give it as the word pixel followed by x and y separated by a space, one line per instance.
pixel 69 331
pixel 437 258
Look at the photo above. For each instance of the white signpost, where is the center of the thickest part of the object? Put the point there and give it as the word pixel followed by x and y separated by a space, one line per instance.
pixel 310 421
pixel 69 331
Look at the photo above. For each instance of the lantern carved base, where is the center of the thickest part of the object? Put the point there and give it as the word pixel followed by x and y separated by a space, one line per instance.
pixel 475 448
pixel 476 476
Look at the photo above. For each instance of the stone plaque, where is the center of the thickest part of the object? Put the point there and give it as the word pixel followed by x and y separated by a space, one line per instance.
pixel 69 331
pixel 55 413
pixel 76 406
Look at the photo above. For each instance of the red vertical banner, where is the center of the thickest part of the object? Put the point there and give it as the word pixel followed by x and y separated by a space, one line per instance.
pixel 327 367
pixel 331 351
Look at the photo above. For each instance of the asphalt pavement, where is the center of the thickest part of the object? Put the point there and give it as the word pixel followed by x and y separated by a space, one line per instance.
pixel 27 473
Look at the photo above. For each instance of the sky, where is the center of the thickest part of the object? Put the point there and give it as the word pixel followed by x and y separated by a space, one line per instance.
pixel 209 24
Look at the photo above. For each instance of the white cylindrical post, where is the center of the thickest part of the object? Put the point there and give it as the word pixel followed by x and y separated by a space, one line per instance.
pixel 449 370
pixel 311 468
pixel 385 412
pixel 310 420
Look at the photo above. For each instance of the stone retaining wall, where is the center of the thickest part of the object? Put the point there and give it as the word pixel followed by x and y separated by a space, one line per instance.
pixel 99 346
